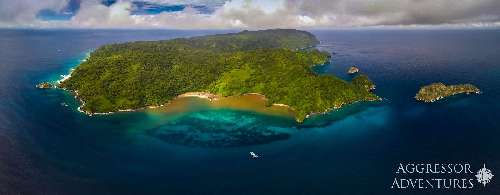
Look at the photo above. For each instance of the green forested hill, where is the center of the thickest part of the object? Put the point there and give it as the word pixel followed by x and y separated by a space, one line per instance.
pixel 270 62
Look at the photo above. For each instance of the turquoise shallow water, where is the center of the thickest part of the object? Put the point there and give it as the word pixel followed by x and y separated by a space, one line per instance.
pixel 48 147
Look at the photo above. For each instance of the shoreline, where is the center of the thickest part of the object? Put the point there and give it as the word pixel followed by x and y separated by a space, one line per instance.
pixel 340 106
pixel 444 97
pixel 213 98
pixel 202 95
pixel 72 69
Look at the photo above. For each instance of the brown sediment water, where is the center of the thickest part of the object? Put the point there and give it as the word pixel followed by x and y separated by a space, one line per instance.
pixel 249 102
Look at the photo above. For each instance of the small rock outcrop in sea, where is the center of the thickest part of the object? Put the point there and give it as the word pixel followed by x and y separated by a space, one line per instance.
pixel 44 85
pixel 437 91
pixel 353 70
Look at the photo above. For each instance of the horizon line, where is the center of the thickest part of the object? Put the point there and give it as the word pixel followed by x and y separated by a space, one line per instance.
pixel 439 27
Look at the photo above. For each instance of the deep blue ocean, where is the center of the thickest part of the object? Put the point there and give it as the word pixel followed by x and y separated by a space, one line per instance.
pixel 47 147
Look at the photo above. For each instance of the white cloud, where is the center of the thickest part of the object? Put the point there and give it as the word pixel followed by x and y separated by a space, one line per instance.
pixel 263 14
pixel 93 14
pixel 17 12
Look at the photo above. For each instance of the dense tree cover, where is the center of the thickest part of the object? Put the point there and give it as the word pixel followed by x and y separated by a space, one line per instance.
pixel 437 91
pixel 270 62
pixel 363 81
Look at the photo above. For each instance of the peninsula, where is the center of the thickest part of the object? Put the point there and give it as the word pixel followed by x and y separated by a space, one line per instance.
pixel 437 91
pixel 364 81
pixel 274 63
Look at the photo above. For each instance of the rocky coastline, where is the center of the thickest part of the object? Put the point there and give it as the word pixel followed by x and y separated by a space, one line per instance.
pixel 437 91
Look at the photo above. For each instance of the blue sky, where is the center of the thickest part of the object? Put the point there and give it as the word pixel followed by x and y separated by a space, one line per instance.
pixel 247 13
pixel 137 8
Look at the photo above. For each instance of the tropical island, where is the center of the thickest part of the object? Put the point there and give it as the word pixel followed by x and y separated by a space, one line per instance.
pixel 273 63
pixel 437 91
